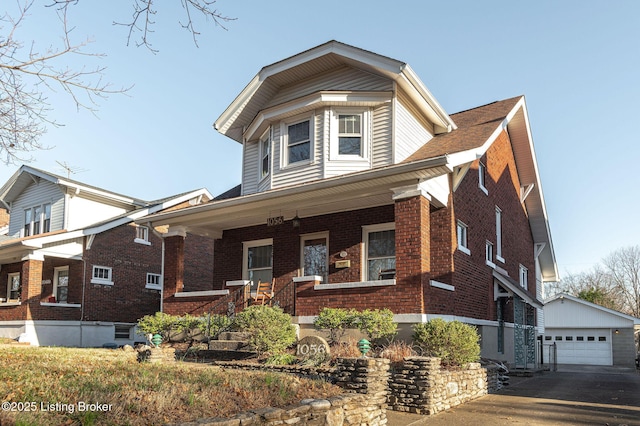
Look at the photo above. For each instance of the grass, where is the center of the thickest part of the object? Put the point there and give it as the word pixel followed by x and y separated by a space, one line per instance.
pixel 57 381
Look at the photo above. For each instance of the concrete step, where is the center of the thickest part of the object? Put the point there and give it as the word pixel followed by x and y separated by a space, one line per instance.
pixel 227 345
pixel 234 335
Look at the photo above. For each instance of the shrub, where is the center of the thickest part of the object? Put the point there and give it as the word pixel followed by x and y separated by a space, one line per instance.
pixel 397 351
pixel 269 328
pixel 336 321
pixel 159 323
pixel 454 342
pixel 377 324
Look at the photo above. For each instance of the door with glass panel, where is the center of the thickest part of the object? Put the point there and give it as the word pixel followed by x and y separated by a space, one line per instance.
pixel 61 284
pixel 315 259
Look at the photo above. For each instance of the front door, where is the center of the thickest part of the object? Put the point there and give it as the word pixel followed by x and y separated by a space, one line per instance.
pixel 315 260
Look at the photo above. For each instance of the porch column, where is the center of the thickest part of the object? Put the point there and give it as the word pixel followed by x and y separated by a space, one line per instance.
pixel 173 263
pixel 31 282
pixel 412 223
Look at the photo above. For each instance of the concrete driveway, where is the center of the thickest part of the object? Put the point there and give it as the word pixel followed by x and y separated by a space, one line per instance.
pixel 573 395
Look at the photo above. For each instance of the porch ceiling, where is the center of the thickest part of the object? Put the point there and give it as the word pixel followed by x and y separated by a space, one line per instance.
pixel 345 193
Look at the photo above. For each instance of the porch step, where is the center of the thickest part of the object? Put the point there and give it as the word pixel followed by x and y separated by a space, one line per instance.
pixel 228 345
pixel 234 335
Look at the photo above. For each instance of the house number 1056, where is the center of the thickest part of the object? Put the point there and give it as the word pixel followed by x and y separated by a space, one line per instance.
pixel 310 350
pixel 273 221
pixel 311 346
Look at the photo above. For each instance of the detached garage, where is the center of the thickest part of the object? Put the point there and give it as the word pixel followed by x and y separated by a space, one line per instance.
pixel 586 333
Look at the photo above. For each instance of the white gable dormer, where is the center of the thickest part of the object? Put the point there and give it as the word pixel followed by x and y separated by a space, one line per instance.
pixel 326 112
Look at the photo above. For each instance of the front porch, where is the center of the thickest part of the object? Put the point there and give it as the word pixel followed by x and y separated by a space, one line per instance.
pixel 41 288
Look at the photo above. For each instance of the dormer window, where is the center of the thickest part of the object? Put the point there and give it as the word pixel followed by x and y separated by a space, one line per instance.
pixel 350 134
pixel 265 151
pixel 298 142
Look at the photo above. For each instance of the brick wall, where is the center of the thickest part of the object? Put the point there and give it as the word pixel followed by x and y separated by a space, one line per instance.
pixel 127 299
pixel 472 278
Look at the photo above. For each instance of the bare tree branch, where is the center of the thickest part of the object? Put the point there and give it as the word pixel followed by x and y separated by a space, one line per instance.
pixel 27 74
pixel 142 18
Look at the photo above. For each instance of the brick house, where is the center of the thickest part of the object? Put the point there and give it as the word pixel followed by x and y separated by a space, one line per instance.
pixel 359 190
pixel 74 268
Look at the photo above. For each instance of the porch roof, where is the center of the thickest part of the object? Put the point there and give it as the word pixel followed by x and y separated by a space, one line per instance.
pixel 354 191
pixel 515 288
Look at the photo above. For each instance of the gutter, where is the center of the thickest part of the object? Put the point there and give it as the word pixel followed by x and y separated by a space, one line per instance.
pixel 382 172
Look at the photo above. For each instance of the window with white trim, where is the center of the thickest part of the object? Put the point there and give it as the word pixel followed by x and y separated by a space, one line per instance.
pixel 142 235
pixel 101 275
pixel 37 220
pixel 13 286
pixel 154 281
pixel 482 172
pixel 489 254
pixel 257 261
pixel 379 251
pixel 298 142
pixel 61 283
pixel 265 155
pixel 524 277
pixel 349 136
pixel 499 235
pixel 462 231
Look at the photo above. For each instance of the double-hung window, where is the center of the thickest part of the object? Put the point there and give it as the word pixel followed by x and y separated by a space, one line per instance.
pixel 482 172
pixel 489 254
pixel 102 275
pixel 37 220
pixel 380 251
pixel 499 235
pixel 265 151
pixel 258 261
pixel 463 235
pixel 524 277
pixel 350 134
pixel 299 142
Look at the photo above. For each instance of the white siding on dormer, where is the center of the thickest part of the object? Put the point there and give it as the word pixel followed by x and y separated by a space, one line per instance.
pixel 411 132
pixel 382 141
pixel 341 79
pixel 83 212
pixel 286 175
pixel 37 194
pixel 250 168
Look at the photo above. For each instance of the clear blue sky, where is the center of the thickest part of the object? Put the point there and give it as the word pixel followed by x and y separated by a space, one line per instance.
pixel 576 61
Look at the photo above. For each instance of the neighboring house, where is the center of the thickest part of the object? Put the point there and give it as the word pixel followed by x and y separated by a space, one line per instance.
pixel 585 333
pixel 359 191
pixel 74 269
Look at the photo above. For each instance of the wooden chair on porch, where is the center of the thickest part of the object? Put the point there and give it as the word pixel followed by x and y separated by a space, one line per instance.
pixel 264 292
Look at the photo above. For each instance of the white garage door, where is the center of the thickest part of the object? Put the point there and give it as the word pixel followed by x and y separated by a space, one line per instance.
pixel 582 346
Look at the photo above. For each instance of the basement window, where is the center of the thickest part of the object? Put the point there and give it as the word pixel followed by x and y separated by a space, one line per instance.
pixel 122 331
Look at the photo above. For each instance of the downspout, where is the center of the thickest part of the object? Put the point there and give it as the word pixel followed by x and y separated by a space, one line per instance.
pixel 159 235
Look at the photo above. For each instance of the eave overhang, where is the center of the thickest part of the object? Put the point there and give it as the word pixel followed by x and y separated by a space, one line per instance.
pixel 343 193
pixel 516 124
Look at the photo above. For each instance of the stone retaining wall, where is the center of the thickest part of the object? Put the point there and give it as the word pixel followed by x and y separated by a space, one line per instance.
pixel 421 386
pixel 418 385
